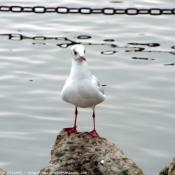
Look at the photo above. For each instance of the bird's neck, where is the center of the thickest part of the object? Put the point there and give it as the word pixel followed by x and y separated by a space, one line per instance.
pixel 80 70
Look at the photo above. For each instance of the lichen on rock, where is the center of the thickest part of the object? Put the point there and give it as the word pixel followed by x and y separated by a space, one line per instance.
pixel 80 153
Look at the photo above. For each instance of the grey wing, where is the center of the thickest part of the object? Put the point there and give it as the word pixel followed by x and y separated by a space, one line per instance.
pixel 100 88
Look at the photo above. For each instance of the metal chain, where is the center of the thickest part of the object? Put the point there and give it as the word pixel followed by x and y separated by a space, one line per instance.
pixel 87 10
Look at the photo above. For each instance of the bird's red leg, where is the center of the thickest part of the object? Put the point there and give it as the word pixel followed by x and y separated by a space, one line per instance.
pixel 74 128
pixel 94 132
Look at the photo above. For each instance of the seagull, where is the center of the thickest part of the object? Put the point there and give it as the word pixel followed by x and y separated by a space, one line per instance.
pixel 82 89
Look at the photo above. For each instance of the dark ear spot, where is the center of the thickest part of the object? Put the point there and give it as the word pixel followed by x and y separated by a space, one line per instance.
pixel 84 51
pixel 75 52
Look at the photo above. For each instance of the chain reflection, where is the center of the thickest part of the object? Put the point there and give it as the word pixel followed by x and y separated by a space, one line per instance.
pixel 66 42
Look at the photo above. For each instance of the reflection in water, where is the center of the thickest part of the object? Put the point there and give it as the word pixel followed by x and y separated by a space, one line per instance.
pixel 171 64
pixel 39 43
pixel 146 44
pixel 108 52
pixel 84 37
pixel 108 40
pixel 69 42
pixel 140 98
pixel 141 58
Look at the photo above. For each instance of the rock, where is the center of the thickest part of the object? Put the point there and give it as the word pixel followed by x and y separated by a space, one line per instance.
pixel 2 172
pixel 80 153
pixel 164 171
pixel 169 170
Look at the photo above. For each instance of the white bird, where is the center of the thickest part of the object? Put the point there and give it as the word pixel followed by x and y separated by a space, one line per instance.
pixel 82 89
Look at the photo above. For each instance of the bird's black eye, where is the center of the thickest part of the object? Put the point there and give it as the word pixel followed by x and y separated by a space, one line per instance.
pixel 75 52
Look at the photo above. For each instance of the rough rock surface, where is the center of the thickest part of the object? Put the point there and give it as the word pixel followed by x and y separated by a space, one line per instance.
pixel 2 172
pixel 80 153
pixel 169 170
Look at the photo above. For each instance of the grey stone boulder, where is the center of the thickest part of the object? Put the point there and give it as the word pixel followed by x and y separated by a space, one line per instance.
pixel 80 153
pixel 2 172
pixel 169 170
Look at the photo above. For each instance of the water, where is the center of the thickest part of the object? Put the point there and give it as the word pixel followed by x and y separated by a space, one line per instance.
pixel 138 113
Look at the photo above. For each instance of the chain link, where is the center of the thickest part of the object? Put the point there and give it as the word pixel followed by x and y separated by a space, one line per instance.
pixel 87 10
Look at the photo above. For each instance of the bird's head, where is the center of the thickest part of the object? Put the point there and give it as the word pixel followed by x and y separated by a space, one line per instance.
pixel 78 52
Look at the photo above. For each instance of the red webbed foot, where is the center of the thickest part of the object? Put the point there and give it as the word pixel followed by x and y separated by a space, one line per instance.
pixel 71 130
pixel 94 133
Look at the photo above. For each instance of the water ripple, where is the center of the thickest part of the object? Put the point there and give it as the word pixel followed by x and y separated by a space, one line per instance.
pixel 133 55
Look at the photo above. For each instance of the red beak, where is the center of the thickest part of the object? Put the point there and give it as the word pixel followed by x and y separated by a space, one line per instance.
pixel 83 58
